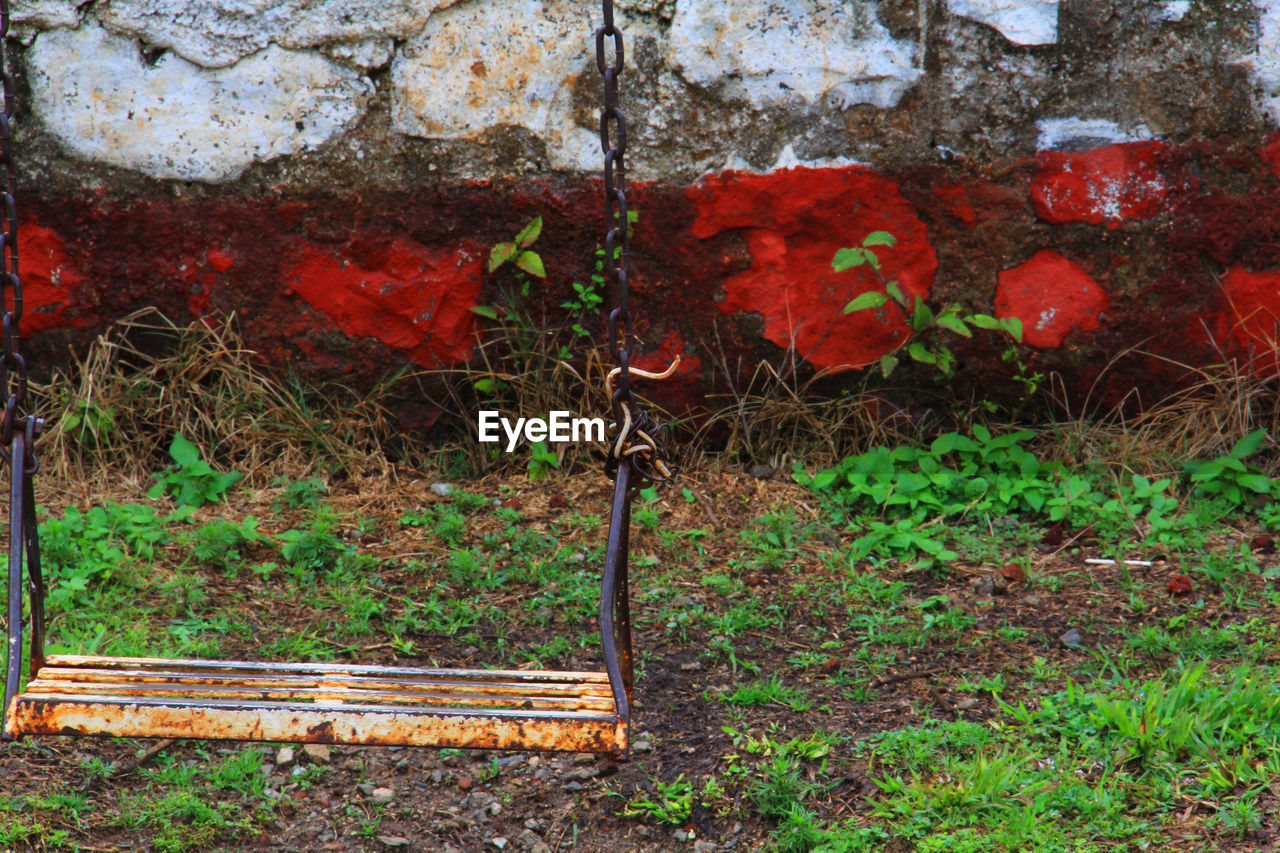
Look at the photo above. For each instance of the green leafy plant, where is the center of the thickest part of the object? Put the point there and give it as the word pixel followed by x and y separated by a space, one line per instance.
pixel 192 481
pixel 925 344
pixel 671 802
pixel 542 460
pixel 519 253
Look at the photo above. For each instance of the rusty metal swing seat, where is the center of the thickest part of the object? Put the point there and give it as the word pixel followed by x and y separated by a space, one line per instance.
pixel 329 702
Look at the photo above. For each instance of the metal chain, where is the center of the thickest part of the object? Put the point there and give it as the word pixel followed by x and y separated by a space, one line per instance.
pixel 633 440
pixel 13 368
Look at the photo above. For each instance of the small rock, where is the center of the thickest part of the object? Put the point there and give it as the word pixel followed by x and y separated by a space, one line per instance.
pixel 527 840
pixel 1072 639
pixel 999 583
pixel 584 758
pixel 285 756
pixel 271 793
pixel 582 774
pixel 691 666
pixel 680 835
pixel 642 746
pixel 983 587
pixel 465 783
pixel 704 846
pixel 1013 573
pixel 437 776
pixel 495 809
pixel 827 536
pixel 1031 600
pixel 366 788
pixel 442 489
pixel 534 824
pixel 382 796
pixel 540 847
pixel 544 614
pixel 967 704
pixel 1179 585
pixel 572 786
pixel 762 472
pixel 318 753
pixel 393 840
pixel 498 842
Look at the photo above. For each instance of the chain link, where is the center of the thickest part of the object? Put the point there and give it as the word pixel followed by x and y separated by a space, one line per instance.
pixel 635 440
pixel 13 367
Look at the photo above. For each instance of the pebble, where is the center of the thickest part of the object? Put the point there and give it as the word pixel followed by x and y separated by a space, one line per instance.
pixel 762 472
pixel 498 842
pixel 465 783
pixel 437 776
pixel 1072 639
pixel 584 758
pixel 393 840
pixel 527 840
pixel 1031 600
pixel 382 796
pixel 318 753
pixel 495 809
pixel 680 835
pixel 365 788
pixel 967 704
pixel 534 824
pixel 442 489
pixel 572 786
pixel 704 846
pixel 285 756
pixel 582 774
pixel 540 847
pixel 642 746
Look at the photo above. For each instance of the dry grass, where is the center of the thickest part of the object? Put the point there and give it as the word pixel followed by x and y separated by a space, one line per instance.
pixel 113 413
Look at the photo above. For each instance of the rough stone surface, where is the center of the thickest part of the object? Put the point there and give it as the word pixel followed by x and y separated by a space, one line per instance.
pixel 413 299
pixel 780 51
pixel 1266 60
pixel 217 33
pixel 1112 184
pixel 470 71
pixel 794 221
pixel 1249 325
pixel 50 281
pixel 1026 22
pixel 1052 296
pixel 98 95
pixel 46 14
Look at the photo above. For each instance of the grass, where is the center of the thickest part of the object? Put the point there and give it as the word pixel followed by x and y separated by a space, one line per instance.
pixel 814 660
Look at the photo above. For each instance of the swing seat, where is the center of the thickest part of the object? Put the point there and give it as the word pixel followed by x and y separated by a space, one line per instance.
pixel 320 703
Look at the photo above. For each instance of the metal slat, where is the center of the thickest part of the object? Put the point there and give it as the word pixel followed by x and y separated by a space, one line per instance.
pixel 326 692
pixel 581 731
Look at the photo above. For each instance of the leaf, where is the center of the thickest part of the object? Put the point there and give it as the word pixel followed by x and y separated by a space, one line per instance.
pixel 1013 326
pixel 984 321
pixel 501 253
pixel 485 311
pixel 183 452
pixel 529 233
pixel 863 301
pixel 1248 445
pixel 846 259
pixel 485 386
pixel 823 479
pixel 880 238
pixel 895 291
pixel 952 323
pixel 532 264
pixel 921 353
pixel 922 316
pixel 887 364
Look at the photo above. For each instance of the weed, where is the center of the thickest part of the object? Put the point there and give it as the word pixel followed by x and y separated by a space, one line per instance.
pixel 192 481
pixel 671 802
pixel 771 692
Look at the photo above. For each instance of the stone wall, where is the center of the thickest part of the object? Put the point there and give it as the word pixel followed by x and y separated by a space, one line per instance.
pixel 1104 170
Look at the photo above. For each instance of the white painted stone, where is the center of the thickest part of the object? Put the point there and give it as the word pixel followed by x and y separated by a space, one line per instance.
pixel 1081 133
pixel 481 65
pixel 217 33
pixel 1171 12
pixel 364 55
pixel 45 14
pixel 173 119
pixel 788 51
pixel 1265 63
pixel 1025 22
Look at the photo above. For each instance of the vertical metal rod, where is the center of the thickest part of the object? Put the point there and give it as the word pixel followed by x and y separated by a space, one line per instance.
pixel 35 574
pixel 622 598
pixel 17 537
pixel 615 570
